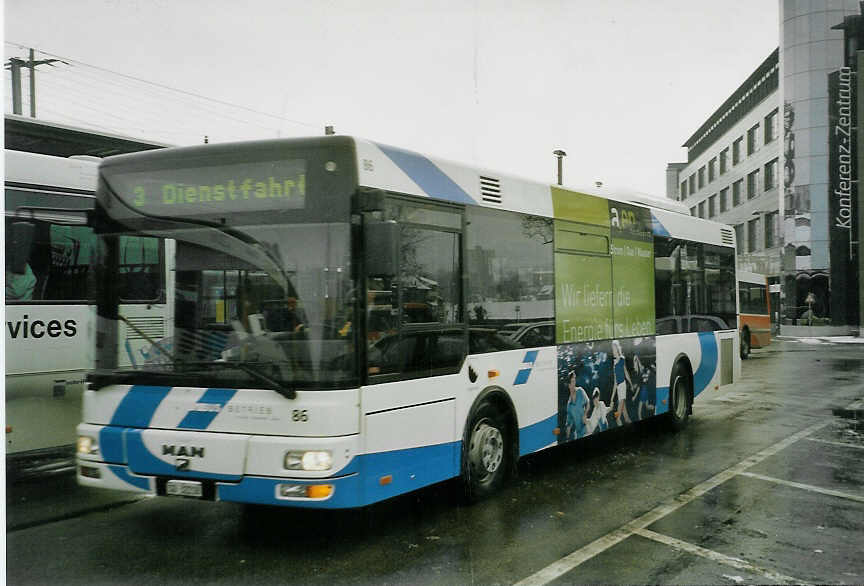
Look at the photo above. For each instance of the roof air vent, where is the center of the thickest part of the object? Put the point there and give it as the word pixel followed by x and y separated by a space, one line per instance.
pixel 726 236
pixel 490 189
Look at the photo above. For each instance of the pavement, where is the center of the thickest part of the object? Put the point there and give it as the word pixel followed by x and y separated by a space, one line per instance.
pixel 823 339
pixel 53 495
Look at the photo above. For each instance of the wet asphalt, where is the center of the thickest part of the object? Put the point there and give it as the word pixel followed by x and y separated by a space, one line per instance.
pixel 766 485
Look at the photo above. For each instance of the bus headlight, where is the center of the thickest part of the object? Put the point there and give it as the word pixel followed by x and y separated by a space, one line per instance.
pixel 87 446
pixel 312 460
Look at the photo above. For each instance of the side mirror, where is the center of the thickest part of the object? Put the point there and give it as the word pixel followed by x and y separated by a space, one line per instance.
pixel 22 240
pixel 381 248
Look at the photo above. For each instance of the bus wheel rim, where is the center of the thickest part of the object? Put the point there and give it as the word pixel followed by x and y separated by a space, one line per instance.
pixel 487 449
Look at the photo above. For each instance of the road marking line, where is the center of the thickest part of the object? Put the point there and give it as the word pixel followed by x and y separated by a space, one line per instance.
pixel 568 563
pixel 809 487
pixel 717 556
pixel 841 444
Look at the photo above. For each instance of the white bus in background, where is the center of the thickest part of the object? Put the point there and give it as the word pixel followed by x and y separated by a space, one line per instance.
pixel 49 299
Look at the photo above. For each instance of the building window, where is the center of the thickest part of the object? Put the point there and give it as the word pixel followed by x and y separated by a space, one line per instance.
pixel 701 177
pixel 683 190
pixel 739 237
pixel 771 175
pixel 724 200
pixel 712 206
pixel 736 150
pixel 752 231
pixel 724 160
pixel 691 184
pixel 712 169
pixel 753 184
pixel 751 140
pixel 770 126
pixel 701 209
pixel 772 226
pixel 736 192
pixel 693 211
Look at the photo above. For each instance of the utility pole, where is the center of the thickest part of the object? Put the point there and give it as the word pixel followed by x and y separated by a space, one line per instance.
pixel 14 65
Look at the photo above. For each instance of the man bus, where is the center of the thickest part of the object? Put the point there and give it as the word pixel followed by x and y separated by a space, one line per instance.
pixel 395 272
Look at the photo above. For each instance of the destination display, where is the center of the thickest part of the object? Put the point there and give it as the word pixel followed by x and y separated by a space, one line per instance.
pixel 208 190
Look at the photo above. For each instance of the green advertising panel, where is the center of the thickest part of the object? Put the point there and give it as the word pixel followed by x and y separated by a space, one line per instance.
pixel 604 269
pixel 632 270
pixel 583 297
pixel 579 207
pixel 633 282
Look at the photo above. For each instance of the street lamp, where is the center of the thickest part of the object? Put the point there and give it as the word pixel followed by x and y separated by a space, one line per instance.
pixel 559 154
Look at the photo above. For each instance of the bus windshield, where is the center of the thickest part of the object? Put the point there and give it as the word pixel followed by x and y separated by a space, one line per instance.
pixel 254 306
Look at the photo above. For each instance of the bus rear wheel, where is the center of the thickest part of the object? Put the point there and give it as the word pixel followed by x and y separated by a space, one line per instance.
pixel 679 398
pixel 487 453
pixel 745 344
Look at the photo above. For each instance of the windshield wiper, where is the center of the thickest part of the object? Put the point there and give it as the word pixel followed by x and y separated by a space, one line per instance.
pixel 285 391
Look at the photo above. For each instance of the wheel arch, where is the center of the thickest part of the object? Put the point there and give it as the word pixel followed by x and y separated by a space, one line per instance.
pixel 684 360
pixel 501 400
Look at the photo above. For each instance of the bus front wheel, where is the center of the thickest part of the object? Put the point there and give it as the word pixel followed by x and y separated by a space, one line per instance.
pixel 679 398
pixel 487 452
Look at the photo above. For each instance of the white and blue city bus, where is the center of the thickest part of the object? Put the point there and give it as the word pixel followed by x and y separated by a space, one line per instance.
pixel 334 336
pixel 50 300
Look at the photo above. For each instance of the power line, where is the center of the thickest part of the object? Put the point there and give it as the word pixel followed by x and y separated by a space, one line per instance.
pixel 166 87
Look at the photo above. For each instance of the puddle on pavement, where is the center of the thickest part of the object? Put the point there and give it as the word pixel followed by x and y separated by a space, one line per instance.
pixel 849 425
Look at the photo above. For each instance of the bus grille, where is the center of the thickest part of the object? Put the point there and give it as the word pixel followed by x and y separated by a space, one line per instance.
pixel 152 327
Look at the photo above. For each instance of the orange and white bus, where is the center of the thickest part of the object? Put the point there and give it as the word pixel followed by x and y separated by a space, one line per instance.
pixel 754 312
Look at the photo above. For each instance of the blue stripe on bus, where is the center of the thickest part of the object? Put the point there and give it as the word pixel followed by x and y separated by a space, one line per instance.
pixel 202 419
pixel 138 406
pixel 427 175
pixel 708 365
pixel 538 435
pixel 657 227
pixel 123 474
pixel 703 375
pixel 111 444
pixel 379 476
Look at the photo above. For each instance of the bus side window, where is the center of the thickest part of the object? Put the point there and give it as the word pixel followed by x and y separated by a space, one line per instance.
pixel 140 271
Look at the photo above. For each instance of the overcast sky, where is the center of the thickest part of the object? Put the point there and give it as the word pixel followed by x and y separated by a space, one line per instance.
pixel 618 84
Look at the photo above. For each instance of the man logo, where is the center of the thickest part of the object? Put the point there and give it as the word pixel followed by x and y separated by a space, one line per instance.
pixel 184 455
pixel 182 451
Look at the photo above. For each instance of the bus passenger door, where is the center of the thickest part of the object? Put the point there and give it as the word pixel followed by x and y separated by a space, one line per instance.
pixel 416 345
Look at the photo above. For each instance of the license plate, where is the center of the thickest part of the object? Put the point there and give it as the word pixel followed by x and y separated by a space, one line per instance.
pixel 190 488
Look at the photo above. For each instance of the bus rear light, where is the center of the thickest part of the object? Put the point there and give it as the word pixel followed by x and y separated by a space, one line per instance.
pixel 304 491
pixel 89 472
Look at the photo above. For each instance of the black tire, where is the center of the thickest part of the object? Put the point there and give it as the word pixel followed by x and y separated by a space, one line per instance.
pixel 487 452
pixel 680 385
pixel 745 344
